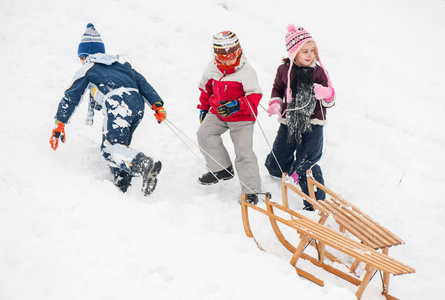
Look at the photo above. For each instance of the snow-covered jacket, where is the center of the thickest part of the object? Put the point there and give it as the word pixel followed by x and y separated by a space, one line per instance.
pixel 318 117
pixel 111 78
pixel 240 83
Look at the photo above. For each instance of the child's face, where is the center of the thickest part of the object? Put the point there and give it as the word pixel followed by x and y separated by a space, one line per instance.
pixel 228 62
pixel 306 54
pixel 83 59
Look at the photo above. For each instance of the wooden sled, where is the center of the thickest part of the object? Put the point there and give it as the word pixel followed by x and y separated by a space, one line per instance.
pixel 371 237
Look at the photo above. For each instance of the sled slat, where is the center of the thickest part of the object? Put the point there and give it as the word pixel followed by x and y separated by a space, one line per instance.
pixel 369 236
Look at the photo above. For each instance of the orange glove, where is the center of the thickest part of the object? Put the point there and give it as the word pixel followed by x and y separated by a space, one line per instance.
pixel 160 113
pixel 58 132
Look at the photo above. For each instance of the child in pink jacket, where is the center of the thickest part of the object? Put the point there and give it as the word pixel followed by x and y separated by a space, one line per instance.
pixel 300 95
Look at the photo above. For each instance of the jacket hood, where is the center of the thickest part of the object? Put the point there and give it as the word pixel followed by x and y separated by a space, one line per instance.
pixel 102 58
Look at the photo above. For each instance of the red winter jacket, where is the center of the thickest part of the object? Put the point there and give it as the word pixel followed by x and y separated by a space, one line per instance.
pixel 240 83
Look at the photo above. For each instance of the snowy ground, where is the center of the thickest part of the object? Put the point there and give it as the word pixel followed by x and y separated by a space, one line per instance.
pixel 67 233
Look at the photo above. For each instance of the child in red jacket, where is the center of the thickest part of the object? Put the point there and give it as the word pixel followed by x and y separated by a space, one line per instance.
pixel 230 94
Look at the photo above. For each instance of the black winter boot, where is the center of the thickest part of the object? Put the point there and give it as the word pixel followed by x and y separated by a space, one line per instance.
pixel 148 169
pixel 209 178
pixel 308 207
pixel 252 199
pixel 122 179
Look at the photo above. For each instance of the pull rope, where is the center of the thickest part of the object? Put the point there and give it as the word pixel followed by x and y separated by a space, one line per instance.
pixel 170 125
pixel 383 282
pixel 264 135
pixel 298 108
pixel 294 109
pixel 286 110
pixel 322 116
pixel 262 107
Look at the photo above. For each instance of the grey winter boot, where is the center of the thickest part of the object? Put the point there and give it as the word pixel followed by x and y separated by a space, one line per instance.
pixel 148 169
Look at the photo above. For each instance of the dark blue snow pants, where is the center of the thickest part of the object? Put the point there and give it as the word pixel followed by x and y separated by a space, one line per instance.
pixel 123 115
pixel 294 158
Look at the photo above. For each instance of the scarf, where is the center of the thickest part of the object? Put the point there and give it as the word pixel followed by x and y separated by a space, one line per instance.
pixel 300 109
pixel 228 67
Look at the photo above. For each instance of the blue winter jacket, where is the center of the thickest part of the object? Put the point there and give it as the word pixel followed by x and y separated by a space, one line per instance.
pixel 105 72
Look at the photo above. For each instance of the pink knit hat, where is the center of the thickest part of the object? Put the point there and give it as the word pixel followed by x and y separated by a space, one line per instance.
pixel 295 38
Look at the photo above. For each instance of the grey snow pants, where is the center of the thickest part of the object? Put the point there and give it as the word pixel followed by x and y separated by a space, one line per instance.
pixel 212 148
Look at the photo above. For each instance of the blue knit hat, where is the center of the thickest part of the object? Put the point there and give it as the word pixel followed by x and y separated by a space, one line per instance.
pixel 91 42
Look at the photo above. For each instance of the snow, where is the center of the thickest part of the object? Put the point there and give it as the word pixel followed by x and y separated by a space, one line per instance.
pixel 68 233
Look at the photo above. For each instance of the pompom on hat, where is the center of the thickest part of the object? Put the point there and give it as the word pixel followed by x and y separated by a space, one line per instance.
pixel 226 45
pixel 91 42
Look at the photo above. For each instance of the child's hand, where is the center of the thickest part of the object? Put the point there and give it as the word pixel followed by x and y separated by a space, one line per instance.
pixel 58 132
pixel 160 113
pixel 274 108
pixel 228 108
pixel 202 115
pixel 323 93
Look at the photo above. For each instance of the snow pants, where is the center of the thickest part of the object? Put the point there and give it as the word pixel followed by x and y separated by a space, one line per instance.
pixel 294 158
pixel 216 156
pixel 123 113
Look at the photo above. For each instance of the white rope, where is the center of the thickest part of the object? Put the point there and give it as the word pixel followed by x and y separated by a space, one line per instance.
pixel 298 108
pixel 286 110
pixel 168 122
pixel 294 109
pixel 171 126
pixel 264 135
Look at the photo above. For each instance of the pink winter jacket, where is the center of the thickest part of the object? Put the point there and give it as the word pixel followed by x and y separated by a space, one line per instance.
pixel 241 83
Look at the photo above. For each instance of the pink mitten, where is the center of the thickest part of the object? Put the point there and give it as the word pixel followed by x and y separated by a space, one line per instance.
pixel 294 176
pixel 274 108
pixel 323 93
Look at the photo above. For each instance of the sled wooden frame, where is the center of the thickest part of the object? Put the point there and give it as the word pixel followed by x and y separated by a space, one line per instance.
pixel 351 219
pixel 310 230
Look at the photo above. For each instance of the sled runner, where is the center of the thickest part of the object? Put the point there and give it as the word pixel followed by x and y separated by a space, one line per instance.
pixel 370 236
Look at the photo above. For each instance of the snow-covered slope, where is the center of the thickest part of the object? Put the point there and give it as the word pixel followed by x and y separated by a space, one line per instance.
pixel 67 233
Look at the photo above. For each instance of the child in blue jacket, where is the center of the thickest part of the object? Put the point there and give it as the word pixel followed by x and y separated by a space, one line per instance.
pixel 123 95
